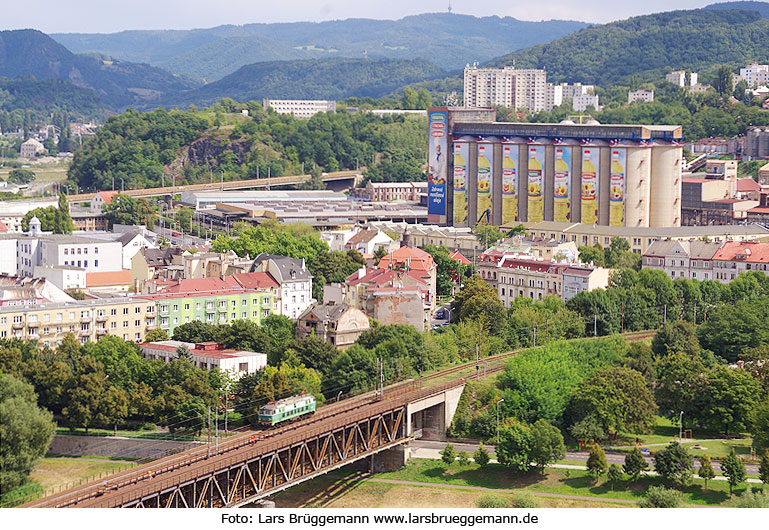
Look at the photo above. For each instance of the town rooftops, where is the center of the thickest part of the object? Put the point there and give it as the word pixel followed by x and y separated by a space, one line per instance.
pixel 747 184
pixel 363 236
pixel 412 257
pixel 330 312
pixel 748 251
pixel 288 268
pixel 693 249
pixel 249 280
pixel 107 195
pixel 202 350
pixel 107 278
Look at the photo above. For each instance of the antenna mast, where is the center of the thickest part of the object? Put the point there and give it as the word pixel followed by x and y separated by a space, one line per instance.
pixel 449 6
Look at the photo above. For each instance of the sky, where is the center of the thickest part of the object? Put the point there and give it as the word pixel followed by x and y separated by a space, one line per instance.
pixel 107 16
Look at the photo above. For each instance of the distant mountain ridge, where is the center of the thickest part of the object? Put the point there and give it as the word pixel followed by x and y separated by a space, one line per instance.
pixel 447 40
pixel 331 79
pixel 761 7
pixel 29 52
pixel 648 46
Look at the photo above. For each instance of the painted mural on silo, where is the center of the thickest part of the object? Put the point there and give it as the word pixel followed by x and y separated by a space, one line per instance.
pixel 589 186
pixel 509 183
pixel 485 180
pixel 536 183
pixel 461 155
pixel 562 185
pixel 617 187
pixel 437 155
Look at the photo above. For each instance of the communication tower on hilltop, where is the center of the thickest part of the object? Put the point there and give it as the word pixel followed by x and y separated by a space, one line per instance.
pixel 449 6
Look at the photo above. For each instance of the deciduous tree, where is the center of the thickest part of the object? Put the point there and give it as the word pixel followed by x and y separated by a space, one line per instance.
pixel 733 469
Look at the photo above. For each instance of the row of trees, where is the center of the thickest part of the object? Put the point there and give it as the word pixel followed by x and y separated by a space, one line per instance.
pixel 56 219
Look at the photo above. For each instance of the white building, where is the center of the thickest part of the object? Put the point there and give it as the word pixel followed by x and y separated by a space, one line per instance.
pixel 581 102
pixel 517 89
pixel 679 78
pixel 640 95
pixel 299 108
pixel 337 239
pixel 64 277
pixel 31 148
pixel 101 199
pixel 295 293
pixel 557 94
pixel 368 241
pixel 12 212
pixel 132 241
pixel 682 259
pixel 580 279
pixel 755 74
pixel 208 355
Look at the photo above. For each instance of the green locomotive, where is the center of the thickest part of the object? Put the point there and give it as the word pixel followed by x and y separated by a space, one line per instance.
pixel 286 409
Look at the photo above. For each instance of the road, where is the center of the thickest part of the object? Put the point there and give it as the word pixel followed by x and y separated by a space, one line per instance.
pixel 429 449
pixel 187 239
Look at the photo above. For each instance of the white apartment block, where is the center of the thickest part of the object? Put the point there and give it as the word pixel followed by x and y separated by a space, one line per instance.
pixel 299 108
pixel 581 102
pixel 640 95
pixel 580 279
pixel 682 259
pixel 755 75
pixel 295 294
pixel 679 78
pixel 508 87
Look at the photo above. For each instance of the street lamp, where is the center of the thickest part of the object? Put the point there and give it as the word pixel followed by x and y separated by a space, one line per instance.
pixel 680 426
pixel 498 402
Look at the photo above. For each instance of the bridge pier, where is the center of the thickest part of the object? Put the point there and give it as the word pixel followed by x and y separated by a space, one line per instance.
pixel 430 418
pixel 389 460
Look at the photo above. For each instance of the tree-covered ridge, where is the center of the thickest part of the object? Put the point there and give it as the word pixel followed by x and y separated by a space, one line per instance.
pixel 649 46
pixel 25 100
pixel 149 149
pixel 759 7
pixel 330 79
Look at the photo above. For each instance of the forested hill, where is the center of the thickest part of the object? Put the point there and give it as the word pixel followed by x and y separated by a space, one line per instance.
pixel 331 79
pixel 649 46
pixel 25 53
pixel 41 98
pixel 760 7
pixel 445 39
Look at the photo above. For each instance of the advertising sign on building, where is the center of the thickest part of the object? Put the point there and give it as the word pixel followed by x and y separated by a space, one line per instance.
pixel 589 186
pixel 536 183
pixel 438 164
pixel 485 180
pixel 461 155
pixel 509 183
pixel 562 185
pixel 617 187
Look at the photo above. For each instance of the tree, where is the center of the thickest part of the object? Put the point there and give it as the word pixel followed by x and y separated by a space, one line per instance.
pixel 706 470
pixel 25 430
pixel 596 462
pixel 674 464
pixel 676 337
pixel 754 499
pixel 448 454
pixel 156 335
pixel 679 382
pixel 21 176
pixel 463 458
pixel 184 218
pixel 759 425
pixel 192 415
pixel 618 397
pixel 85 394
pixel 114 406
pixel 481 455
pixel 727 399
pixel 635 464
pixel 126 210
pixel 63 221
pixel 183 352
pixel 614 475
pixel 659 497
pixel 723 81
pixel 515 445
pixel 547 444
pixel 594 255
pixel 733 469
pixel 763 468
pixel 195 331
pixel 588 429
pixel 314 352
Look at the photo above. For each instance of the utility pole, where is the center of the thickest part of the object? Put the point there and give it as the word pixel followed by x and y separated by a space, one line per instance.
pixel 595 324
pixel 622 318
pixel 535 336
pixel 547 327
pixel 216 423
pixel 209 432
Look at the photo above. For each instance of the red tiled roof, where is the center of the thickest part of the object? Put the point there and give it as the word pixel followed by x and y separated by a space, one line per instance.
pixel 163 295
pixel 256 280
pixel 759 209
pixel 3 228
pixel 381 276
pixel 459 257
pixel 753 251
pixel 193 285
pixel 107 195
pixel 414 258
pixel 103 279
pixel 747 184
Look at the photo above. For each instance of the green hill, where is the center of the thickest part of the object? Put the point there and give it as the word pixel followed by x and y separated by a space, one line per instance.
pixel 41 98
pixel 447 40
pixel 319 79
pixel 25 53
pixel 761 7
pixel 648 46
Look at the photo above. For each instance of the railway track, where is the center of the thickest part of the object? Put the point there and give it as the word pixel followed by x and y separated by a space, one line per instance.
pixel 253 441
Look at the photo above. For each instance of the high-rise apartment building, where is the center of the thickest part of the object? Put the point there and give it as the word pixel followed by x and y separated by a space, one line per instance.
pixel 679 78
pixel 755 75
pixel 508 87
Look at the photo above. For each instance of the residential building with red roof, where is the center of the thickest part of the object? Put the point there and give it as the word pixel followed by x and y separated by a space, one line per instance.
pixel 457 256
pixel 735 257
pixel 207 355
pixel 411 259
pixel 338 324
pixel 101 199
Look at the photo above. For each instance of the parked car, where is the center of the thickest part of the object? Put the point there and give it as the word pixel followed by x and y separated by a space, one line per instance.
pixel 441 314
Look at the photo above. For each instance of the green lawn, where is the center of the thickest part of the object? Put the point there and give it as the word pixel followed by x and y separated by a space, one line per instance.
pixel 156 435
pixel 558 481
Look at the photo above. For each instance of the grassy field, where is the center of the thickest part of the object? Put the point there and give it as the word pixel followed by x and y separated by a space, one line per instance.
pixel 556 481
pixel 52 474
pixel 348 492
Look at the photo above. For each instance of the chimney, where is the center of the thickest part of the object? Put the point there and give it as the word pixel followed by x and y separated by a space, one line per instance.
pixel 406 237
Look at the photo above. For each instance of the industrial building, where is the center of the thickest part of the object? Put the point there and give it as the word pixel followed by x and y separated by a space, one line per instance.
pixel 612 175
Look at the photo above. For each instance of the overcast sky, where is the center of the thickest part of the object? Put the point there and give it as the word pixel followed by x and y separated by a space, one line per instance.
pixel 106 16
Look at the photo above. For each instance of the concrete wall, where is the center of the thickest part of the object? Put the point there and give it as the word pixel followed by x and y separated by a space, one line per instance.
pixel 71 445
pixel 434 414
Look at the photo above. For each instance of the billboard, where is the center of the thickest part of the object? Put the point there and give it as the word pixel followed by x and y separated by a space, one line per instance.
pixel 562 185
pixel 485 181
pixel 437 163
pixel 509 183
pixel 536 183
pixel 461 155
pixel 617 187
pixel 589 185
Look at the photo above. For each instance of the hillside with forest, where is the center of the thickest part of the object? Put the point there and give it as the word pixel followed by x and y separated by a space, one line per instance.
pixel 330 79
pixel 448 40
pixel 760 7
pixel 189 146
pixel 31 53
pixel 649 46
